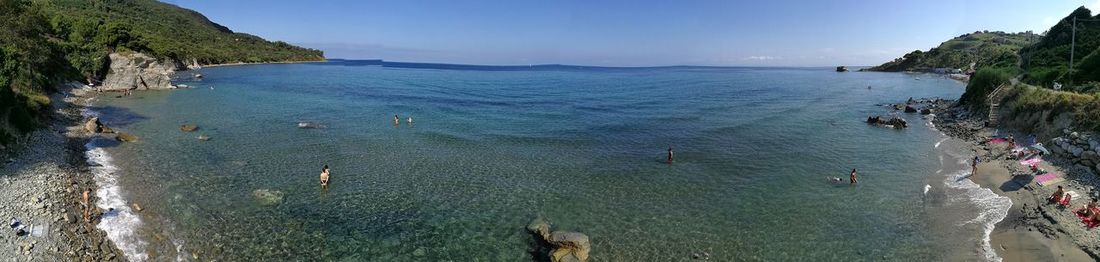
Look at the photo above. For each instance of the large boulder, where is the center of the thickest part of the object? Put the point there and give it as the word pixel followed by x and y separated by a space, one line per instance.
pixel 1091 156
pixel 569 246
pixel 138 71
pixel 268 197
pixel 1077 151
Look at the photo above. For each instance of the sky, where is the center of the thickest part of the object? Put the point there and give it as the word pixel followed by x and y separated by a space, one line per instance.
pixel 629 33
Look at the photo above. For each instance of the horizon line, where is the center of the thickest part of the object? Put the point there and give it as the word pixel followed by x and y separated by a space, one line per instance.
pixel 383 61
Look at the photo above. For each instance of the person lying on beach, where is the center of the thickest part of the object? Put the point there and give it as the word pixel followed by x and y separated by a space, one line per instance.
pixel 1057 196
pixel 324 177
pixel 852 177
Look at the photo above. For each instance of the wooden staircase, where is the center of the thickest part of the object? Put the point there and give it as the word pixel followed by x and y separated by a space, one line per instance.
pixel 994 101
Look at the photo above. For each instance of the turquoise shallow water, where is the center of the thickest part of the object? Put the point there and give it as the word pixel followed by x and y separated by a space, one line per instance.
pixel 489 150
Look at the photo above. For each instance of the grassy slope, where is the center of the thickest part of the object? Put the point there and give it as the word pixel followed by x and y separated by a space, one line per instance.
pixel 986 49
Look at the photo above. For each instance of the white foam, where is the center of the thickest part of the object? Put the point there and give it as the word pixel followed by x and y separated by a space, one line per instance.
pixel 120 223
pixel 992 208
pixel 940 142
pixel 926 188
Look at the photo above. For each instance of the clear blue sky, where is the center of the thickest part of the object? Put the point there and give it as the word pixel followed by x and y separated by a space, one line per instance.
pixel 629 33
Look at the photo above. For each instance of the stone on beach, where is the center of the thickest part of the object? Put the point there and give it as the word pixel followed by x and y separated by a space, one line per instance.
pixel 268 197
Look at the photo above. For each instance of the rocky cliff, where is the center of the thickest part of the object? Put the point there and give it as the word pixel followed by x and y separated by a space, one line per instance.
pixel 138 71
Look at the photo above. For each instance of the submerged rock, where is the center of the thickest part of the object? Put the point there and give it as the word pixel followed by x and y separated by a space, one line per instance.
pixel 188 128
pixel 268 197
pixel 570 246
pixel 125 137
pixel 558 246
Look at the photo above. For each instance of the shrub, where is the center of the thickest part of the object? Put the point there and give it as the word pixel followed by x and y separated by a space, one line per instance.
pixel 984 82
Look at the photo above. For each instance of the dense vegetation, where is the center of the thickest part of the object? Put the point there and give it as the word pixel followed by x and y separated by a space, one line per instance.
pixel 984 82
pixel 1047 61
pixel 46 42
pixel 985 49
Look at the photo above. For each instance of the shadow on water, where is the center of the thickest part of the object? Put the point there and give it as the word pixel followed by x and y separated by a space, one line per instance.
pixel 1016 183
pixel 114 116
pixel 104 143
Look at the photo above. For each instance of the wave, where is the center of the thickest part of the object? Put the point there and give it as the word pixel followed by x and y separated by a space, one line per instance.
pixel 992 208
pixel 118 221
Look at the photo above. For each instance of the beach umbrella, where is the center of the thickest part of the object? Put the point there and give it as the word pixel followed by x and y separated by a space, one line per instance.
pixel 1039 146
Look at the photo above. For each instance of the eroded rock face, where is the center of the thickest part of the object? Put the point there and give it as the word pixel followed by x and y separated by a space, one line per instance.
pixel 137 71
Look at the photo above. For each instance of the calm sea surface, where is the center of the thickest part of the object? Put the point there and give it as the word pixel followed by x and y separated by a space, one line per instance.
pixel 489 150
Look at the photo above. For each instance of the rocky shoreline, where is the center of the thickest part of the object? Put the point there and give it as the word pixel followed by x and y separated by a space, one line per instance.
pixel 1033 230
pixel 42 184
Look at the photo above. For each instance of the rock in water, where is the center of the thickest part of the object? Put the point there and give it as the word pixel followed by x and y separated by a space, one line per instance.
pixel 138 71
pixel 268 197
pixel 92 126
pixel 188 128
pixel 125 137
pixel 539 227
pixel 570 246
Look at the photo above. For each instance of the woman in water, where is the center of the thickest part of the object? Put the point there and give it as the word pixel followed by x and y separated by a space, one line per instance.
pixel 324 177
pixel 396 120
pixel 852 177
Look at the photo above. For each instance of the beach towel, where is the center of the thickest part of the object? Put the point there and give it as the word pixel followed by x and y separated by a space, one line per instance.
pixel 997 140
pixel 1048 179
pixel 1067 198
pixel 1032 161
pixel 1089 222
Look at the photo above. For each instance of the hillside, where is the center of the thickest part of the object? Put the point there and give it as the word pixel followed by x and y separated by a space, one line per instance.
pixel 984 48
pixel 46 42
pixel 1047 60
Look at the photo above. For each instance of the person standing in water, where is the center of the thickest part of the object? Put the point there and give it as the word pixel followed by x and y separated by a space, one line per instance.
pixel 670 154
pixel 396 120
pixel 852 177
pixel 324 177
pixel 974 165
pixel 410 120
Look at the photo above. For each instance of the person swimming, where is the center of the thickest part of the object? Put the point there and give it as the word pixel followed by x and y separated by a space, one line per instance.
pixel 834 179
pixel 410 119
pixel 852 177
pixel 324 177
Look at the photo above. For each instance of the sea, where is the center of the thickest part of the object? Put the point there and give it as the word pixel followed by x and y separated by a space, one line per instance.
pixel 491 148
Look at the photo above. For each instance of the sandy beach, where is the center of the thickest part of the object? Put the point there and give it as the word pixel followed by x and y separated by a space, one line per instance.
pixel 42 180
pixel 1033 230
